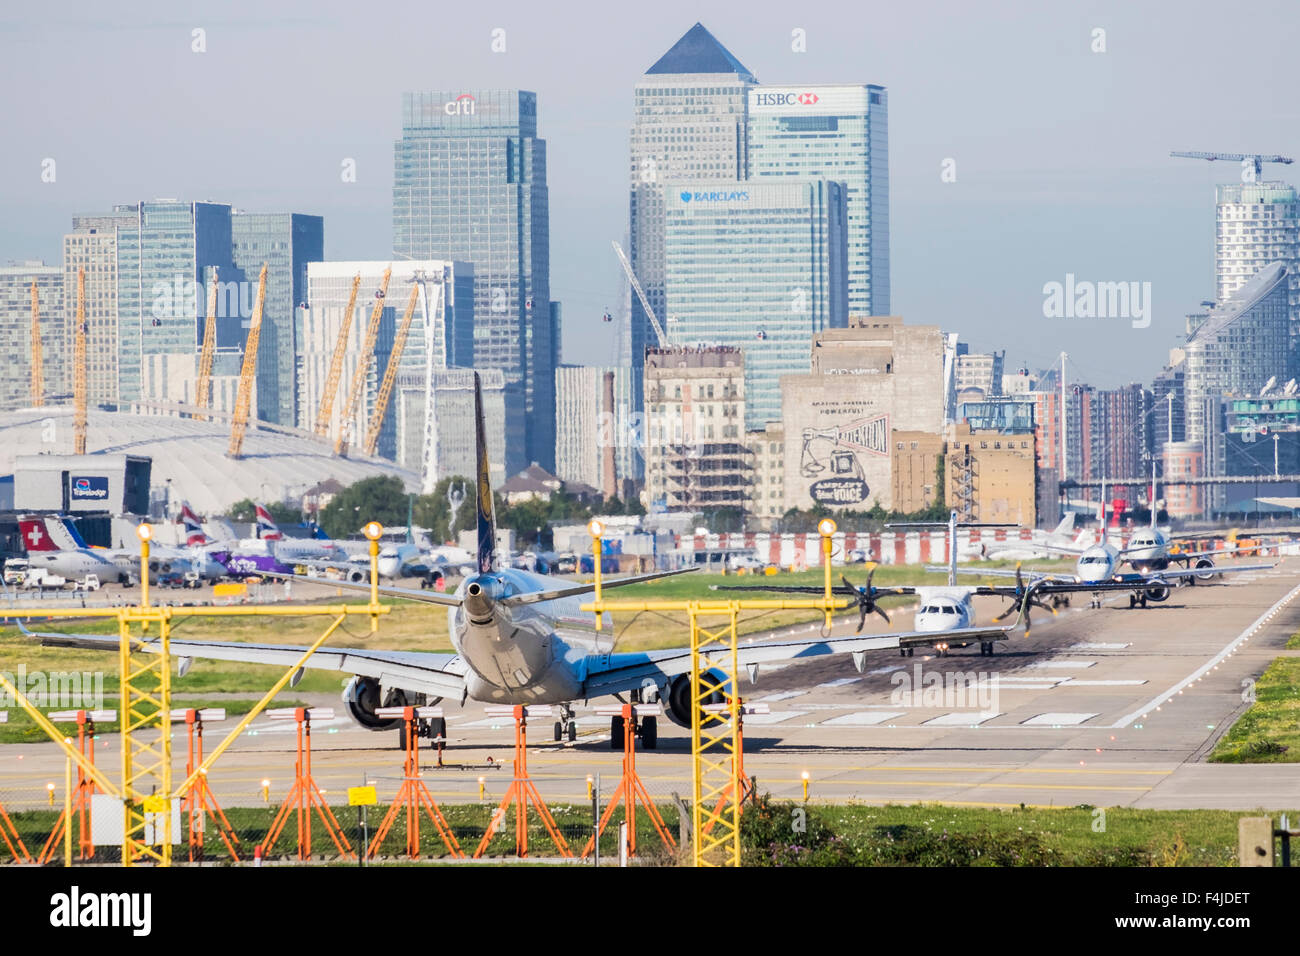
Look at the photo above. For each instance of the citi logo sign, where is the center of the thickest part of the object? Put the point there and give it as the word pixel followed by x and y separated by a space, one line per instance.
pixel 787 99
pixel 462 105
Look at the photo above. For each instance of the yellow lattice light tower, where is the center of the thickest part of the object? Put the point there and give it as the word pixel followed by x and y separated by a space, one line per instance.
pixel 146 788
pixel 715 710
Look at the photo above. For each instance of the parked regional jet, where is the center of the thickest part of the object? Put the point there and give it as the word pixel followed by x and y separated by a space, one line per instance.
pixel 55 544
pixel 520 639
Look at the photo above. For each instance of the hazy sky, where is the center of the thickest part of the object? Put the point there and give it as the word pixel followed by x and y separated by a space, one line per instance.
pixel 1061 153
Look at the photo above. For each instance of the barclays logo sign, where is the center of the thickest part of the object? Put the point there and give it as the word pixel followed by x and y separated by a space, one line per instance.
pixel 733 196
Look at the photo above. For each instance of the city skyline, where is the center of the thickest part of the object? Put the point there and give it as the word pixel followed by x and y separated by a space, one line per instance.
pixel 1074 165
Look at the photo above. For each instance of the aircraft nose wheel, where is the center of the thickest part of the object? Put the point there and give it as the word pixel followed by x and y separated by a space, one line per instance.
pixel 566 726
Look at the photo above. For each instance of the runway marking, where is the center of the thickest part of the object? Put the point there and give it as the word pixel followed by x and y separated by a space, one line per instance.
pixel 1212 662
pixel 888 670
pixel 862 719
pixel 960 719
pixel 1058 719
pixel 773 698
pixel 1044 679
pixel 1089 646
pixel 773 718
pixel 974 784
pixel 1061 665
pixel 1071 682
pixel 842 682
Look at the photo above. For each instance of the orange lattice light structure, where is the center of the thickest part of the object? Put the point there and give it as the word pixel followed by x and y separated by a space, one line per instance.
pixel 304 796
pixel 413 796
pixel 522 790
pixel 200 802
pixel 85 788
pixel 630 789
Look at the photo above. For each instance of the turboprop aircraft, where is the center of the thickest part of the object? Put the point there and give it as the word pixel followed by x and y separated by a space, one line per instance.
pixel 521 639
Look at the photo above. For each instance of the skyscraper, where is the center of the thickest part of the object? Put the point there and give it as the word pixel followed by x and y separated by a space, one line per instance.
pixel 1242 344
pixel 759 266
pixel 92 246
pixel 838 132
pixel 165 249
pixel 286 242
pixel 469 184
pixel 16 330
pixel 689 125
pixel 1258 224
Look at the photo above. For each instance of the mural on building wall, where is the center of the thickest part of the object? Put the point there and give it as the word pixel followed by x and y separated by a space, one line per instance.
pixel 842 455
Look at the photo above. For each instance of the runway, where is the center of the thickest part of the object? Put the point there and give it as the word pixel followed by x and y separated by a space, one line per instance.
pixel 1106 707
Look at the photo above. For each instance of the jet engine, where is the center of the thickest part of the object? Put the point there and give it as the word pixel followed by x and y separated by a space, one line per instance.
pixel 677 702
pixel 1207 565
pixel 363 695
pixel 1158 593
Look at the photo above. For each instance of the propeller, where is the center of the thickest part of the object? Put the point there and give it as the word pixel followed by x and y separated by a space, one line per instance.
pixel 866 598
pixel 1026 597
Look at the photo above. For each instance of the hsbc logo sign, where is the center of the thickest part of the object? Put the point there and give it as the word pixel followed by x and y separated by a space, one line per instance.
pixel 463 105
pixel 786 99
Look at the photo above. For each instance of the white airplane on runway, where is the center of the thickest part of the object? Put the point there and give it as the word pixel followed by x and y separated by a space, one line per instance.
pixel 520 639
pixel 55 544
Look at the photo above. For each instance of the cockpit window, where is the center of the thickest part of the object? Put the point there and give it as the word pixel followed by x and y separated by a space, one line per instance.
pixel 949 609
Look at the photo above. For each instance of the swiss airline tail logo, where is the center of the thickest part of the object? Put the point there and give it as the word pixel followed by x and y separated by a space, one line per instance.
pixel 34 536
pixel 266 528
pixel 194 536
pixel 47 534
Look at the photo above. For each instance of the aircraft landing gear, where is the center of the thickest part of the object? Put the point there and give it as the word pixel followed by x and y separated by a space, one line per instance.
pixel 986 648
pixel 906 651
pixel 566 726
pixel 647 728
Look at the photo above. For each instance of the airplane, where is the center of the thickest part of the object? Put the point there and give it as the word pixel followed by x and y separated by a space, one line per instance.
pixel 1097 568
pixel 55 544
pixel 945 612
pixel 522 638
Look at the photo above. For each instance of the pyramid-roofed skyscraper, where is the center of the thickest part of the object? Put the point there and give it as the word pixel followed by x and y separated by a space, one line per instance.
pixel 690 122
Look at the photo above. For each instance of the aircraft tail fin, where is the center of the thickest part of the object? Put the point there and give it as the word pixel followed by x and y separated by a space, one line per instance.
pixel 487 533
pixel 194 536
pixel 1065 527
pixel 267 529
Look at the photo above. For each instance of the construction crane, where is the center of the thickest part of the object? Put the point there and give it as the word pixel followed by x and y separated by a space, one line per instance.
pixel 244 398
pixel 38 362
pixel 1259 159
pixel 640 294
pixel 79 370
pixel 363 366
pixel 385 393
pixel 203 391
pixel 336 365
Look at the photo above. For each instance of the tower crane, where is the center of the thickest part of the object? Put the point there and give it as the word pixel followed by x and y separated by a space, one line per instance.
pixel 38 366
pixel 640 294
pixel 385 392
pixel 244 398
pixel 203 391
pixel 1259 159
pixel 336 364
pixel 363 366
pixel 79 370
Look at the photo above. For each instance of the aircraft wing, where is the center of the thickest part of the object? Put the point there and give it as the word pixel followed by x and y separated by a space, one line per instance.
pixel 1030 574
pixel 532 597
pixel 1156 577
pixel 623 672
pixel 411 594
pixel 439 675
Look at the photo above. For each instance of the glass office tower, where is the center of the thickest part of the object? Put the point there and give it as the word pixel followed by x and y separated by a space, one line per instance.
pixel 469 185
pixel 286 242
pixel 163 258
pixel 689 125
pixel 760 266
pixel 841 133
